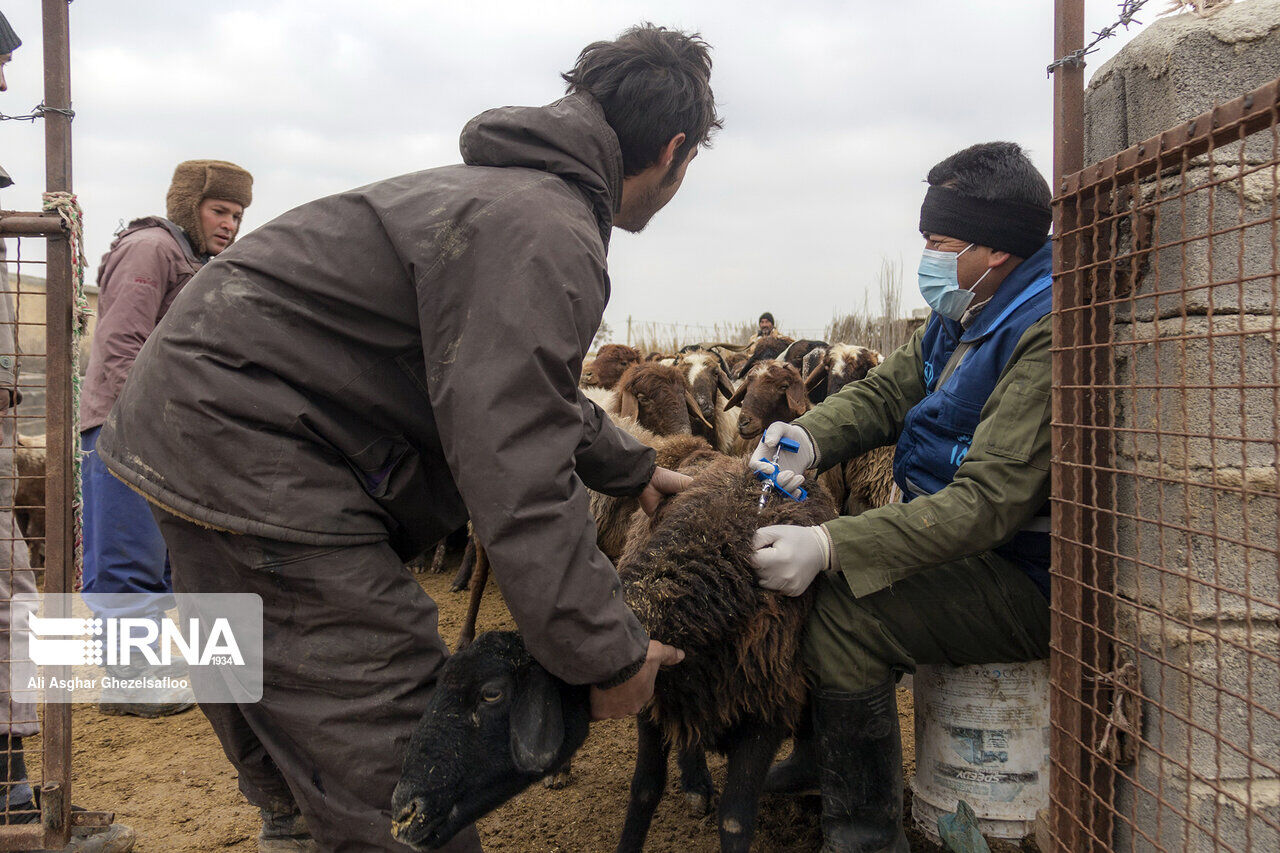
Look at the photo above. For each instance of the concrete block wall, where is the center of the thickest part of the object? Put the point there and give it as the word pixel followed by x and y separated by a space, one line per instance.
pixel 1198 494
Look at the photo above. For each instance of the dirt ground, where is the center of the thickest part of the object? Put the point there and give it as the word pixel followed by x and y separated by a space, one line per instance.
pixel 168 779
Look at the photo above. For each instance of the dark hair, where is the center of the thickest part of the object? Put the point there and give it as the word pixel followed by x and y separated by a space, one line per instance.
pixel 995 171
pixel 767 316
pixel 653 83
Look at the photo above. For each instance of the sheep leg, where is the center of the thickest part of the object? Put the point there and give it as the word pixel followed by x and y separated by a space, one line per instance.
pixel 465 568
pixel 647 784
pixel 437 561
pixel 695 780
pixel 477 592
pixel 750 753
pixel 561 778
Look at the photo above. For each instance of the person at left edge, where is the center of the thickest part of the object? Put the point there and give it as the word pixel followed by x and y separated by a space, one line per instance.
pixel 19 802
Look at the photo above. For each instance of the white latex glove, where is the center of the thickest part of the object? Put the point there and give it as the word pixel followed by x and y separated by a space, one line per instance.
pixel 792 465
pixel 788 557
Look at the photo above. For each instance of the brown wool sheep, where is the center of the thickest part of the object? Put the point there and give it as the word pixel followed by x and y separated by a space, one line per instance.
pixel 740 688
pixel 613 515
pixel 607 367
pixel 771 391
pixel 687 574
pixel 657 396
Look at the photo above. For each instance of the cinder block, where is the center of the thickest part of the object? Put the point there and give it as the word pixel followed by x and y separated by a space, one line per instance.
pixel 1196 725
pixel 1212 250
pixel 1177 68
pixel 1189 414
pixel 1159 812
pixel 1195 550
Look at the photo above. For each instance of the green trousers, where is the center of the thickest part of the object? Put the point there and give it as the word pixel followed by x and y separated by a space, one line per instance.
pixel 980 609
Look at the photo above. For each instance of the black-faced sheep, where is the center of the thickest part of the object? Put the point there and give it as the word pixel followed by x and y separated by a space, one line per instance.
pixel 497 722
pixel 795 354
pixel 607 367
pixel 740 689
pixel 765 348
pixel 655 398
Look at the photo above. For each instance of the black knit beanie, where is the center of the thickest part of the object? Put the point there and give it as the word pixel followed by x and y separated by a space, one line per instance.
pixel 1007 226
pixel 9 41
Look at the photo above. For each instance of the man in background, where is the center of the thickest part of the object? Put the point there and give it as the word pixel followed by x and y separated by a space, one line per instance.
pixel 126 566
pixel 766 325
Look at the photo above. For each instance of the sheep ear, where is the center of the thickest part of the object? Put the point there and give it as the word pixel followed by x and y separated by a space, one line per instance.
pixel 724 383
pixel 537 722
pixel 737 397
pixel 628 406
pixel 818 376
pixel 695 410
pixel 797 402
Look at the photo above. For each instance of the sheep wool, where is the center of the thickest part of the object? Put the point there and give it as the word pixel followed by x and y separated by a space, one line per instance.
pixel 196 180
pixel 688 577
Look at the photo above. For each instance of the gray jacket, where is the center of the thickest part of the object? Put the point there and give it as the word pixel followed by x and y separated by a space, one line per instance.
pixel 384 362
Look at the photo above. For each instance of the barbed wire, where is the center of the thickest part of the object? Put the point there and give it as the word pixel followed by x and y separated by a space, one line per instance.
pixel 1128 8
pixel 39 111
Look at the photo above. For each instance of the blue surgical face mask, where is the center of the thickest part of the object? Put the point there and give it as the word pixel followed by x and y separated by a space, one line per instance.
pixel 940 284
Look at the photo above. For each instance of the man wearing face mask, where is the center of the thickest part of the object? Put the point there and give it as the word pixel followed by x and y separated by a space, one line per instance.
pixel 958 573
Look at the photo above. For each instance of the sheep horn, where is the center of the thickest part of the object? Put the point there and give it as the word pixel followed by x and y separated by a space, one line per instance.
pixel 724 383
pixel 738 396
pixel 696 410
pixel 819 374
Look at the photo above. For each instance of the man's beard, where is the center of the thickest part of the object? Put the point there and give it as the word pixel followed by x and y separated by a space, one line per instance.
pixel 646 206
pixel 650 202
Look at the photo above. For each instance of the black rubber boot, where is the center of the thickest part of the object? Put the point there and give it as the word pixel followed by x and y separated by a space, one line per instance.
pixel 860 756
pixel 285 831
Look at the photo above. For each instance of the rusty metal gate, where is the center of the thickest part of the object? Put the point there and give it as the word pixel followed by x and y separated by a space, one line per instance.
pixel 1166 487
pixel 36 446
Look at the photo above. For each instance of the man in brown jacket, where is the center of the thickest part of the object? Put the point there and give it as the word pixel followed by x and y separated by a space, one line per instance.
pixel 350 382
pixel 126 570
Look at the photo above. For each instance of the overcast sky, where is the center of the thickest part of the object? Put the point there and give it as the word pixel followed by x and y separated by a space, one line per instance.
pixel 833 111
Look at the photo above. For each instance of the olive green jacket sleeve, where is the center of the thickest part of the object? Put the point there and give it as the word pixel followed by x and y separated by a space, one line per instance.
pixel 997 490
pixel 868 414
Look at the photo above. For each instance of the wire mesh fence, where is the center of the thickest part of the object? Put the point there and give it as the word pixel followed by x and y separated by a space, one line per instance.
pixel 22 522
pixel 1166 610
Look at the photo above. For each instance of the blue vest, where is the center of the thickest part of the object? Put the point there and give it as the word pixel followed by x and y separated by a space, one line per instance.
pixel 938 430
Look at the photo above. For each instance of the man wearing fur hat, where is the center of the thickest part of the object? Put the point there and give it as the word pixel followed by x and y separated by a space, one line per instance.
pixel 141 274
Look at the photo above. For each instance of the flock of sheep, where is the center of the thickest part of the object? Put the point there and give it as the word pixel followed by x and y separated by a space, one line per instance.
pixel 687 575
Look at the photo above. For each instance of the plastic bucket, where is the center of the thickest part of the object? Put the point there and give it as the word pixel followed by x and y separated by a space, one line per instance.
pixel 982 736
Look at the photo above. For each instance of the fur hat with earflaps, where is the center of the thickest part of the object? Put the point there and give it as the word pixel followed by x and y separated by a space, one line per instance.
pixel 196 180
